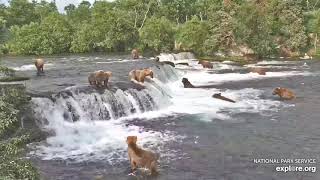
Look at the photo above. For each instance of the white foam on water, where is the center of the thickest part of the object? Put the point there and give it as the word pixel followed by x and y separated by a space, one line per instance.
pixel 29 67
pixel 276 62
pixel 200 101
pixel 203 78
pixel 90 140
pixel 116 61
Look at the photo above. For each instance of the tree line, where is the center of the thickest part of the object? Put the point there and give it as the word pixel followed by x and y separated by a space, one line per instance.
pixel 206 27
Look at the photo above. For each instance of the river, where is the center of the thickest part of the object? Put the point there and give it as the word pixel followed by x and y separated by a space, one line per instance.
pixel 197 136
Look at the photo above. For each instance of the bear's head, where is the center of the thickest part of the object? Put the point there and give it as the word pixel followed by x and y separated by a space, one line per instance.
pixel 277 90
pixel 132 139
pixel 148 72
pixel 185 80
pixel 108 73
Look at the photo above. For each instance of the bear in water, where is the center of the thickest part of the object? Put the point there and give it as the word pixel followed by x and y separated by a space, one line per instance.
pixel 284 93
pixel 135 54
pixel 39 63
pixel 187 83
pixel 219 96
pixel 99 78
pixel 260 71
pixel 206 64
pixel 141 158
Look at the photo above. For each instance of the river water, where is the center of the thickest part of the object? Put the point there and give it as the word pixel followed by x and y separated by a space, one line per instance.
pixel 197 137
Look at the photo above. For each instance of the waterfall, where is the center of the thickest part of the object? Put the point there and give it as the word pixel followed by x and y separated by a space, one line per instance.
pixel 85 124
pixel 73 105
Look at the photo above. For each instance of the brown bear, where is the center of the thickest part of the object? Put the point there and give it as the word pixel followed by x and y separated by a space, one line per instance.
pixel 39 63
pixel 260 71
pixel 187 83
pixel 99 78
pixel 206 64
pixel 102 78
pixel 138 76
pixel 219 96
pixel 139 157
pixel 284 93
pixel 92 79
pixel 135 54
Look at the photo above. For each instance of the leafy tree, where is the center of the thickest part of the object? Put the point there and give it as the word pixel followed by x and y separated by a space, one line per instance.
pixel 21 12
pixel 51 36
pixel 221 35
pixel 25 39
pixel 193 34
pixel 12 102
pixel 69 9
pixel 44 8
pixel 313 27
pixel 253 28
pixel 288 24
pixel 83 39
pixel 79 15
pixel 158 34
pixel 56 34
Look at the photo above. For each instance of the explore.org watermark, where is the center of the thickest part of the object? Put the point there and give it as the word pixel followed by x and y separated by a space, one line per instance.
pixel 290 165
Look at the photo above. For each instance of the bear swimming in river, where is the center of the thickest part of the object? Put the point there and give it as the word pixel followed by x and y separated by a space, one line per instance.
pixel 284 93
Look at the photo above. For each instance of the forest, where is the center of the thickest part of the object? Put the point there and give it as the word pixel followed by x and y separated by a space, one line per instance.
pixel 206 27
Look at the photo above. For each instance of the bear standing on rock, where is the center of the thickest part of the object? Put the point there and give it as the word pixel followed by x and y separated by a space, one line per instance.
pixel 138 76
pixel 99 78
pixel 39 63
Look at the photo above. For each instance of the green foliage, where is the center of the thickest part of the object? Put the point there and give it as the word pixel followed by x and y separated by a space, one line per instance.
pixel 51 36
pixel 5 71
pixel 221 35
pixel 193 34
pixel 253 28
pixel 158 34
pixel 288 24
pixel 83 39
pixel 12 166
pixel 21 12
pixel 120 32
pixel 36 27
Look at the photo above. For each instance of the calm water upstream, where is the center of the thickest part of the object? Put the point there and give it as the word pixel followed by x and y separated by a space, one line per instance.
pixel 197 136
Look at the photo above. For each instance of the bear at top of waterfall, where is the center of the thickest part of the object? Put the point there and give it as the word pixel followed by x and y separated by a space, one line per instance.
pixel 138 76
pixel 39 63
pixel 140 158
pixel 260 71
pixel 99 78
pixel 284 93
pixel 206 64
pixel 135 54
